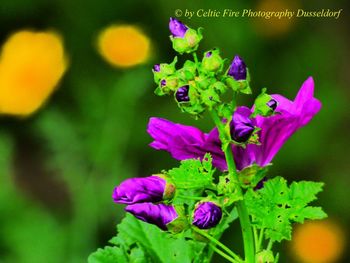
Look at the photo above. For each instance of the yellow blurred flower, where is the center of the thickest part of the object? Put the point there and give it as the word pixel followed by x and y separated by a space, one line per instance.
pixel 31 64
pixel 318 242
pixel 123 45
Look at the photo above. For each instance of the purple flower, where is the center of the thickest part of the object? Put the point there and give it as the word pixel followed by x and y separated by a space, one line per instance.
pixel 241 126
pixel 156 68
pixel 159 215
pixel 163 82
pixel 208 54
pixel 184 142
pixel 272 104
pixel 206 215
pixel 138 190
pixel 238 69
pixel 177 28
pixel 182 94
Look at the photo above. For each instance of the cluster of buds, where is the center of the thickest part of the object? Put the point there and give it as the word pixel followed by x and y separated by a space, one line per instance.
pixel 198 85
pixel 149 199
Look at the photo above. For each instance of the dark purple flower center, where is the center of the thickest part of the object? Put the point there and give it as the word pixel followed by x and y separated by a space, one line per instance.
pixel 242 127
pixel 207 215
pixel 177 28
pixel 156 67
pixel 182 94
pixel 238 69
pixel 163 82
pixel 208 55
pixel 272 104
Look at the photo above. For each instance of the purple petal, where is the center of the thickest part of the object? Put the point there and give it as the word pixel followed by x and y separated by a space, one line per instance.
pixel 275 130
pixel 159 215
pixel 138 190
pixel 182 142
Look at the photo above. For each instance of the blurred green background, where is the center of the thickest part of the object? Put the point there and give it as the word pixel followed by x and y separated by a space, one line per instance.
pixel 59 166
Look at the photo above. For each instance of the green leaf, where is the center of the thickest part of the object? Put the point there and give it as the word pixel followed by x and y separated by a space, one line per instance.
pixel 140 242
pixel 108 255
pixel 193 173
pixel 276 206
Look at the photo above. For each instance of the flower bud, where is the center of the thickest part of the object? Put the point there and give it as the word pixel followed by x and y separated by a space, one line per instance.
pixel 238 69
pixel 177 28
pixel 181 94
pixel 156 68
pixel 206 215
pixel 242 126
pixel 272 104
pixel 163 70
pixel 143 189
pixel 184 39
pixel 160 215
pixel 212 61
pixel 188 71
pixel 264 104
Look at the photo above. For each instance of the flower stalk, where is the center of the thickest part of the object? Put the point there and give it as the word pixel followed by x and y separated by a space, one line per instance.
pixel 249 250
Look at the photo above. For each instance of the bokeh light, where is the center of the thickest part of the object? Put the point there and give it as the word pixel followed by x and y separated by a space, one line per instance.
pixel 274 26
pixel 31 65
pixel 318 242
pixel 124 45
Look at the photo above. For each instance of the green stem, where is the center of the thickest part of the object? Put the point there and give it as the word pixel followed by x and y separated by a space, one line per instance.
pixel 270 244
pixel 256 239
pixel 195 58
pixel 261 237
pixel 223 254
pixel 218 243
pixel 248 239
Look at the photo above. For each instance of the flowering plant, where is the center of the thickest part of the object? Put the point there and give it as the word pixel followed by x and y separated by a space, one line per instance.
pixel 223 175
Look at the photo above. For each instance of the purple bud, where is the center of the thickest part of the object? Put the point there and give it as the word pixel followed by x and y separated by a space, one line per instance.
pixel 272 104
pixel 159 215
pixel 182 94
pixel 208 55
pixel 140 189
pixel 206 215
pixel 163 83
pixel 177 28
pixel 156 67
pixel 242 126
pixel 238 69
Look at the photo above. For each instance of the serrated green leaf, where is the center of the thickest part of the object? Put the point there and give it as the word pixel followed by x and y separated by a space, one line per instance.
pixel 141 242
pixel 193 173
pixel 276 206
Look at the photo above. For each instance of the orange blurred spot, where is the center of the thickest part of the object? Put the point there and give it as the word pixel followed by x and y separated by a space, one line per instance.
pixel 274 26
pixel 31 64
pixel 123 45
pixel 318 242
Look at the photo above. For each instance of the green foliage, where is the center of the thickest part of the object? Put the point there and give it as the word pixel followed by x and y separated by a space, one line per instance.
pixel 193 173
pixel 276 206
pixel 141 242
